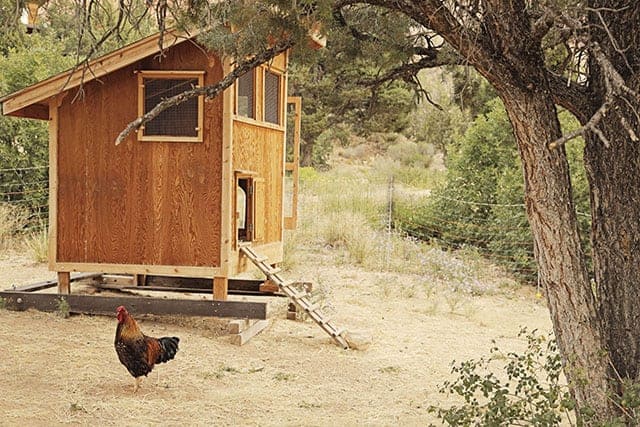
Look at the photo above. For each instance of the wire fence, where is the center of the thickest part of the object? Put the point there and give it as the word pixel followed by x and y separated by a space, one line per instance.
pixel 500 232
pixel 24 197
pixel 496 231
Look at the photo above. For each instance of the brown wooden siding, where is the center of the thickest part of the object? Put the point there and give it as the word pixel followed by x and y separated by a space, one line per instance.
pixel 260 149
pixel 150 203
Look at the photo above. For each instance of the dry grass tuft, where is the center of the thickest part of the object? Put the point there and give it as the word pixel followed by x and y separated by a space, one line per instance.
pixel 12 221
pixel 37 244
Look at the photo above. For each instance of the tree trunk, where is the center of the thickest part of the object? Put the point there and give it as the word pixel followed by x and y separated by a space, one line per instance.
pixel 562 269
pixel 614 178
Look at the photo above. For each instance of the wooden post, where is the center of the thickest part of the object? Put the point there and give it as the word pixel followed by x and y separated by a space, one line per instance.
pixel 220 288
pixel 64 282
pixel 139 279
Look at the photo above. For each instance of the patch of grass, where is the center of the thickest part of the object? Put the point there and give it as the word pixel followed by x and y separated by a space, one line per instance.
pixel 12 221
pixel 212 375
pixel 390 370
pixel 290 256
pixel 37 243
pixel 63 308
pixel 3 303
pixel 308 405
pixel 345 210
pixel 454 299
pixel 220 372
pixel 408 291
pixel 230 369
pixel 76 407
pixel 283 376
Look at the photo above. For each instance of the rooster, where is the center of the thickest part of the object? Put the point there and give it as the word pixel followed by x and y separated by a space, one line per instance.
pixel 138 352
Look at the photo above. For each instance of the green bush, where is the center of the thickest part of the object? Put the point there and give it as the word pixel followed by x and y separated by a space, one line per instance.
pixel 24 143
pixel 532 394
pixel 481 201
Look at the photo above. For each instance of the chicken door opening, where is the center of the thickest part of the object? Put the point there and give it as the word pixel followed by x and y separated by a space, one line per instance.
pixel 244 209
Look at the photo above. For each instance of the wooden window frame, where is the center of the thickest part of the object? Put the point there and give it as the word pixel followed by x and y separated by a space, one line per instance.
pixel 290 222
pixel 175 74
pixel 254 72
pixel 281 112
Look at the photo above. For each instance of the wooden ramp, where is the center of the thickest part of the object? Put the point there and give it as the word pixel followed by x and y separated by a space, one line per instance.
pixel 300 298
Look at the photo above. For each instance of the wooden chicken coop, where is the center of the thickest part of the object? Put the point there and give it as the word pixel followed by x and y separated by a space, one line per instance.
pixel 190 189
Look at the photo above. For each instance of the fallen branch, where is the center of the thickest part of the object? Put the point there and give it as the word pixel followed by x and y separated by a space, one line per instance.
pixel 208 91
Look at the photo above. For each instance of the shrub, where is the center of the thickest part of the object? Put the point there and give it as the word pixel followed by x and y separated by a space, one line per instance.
pixel 481 202
pixel 532 395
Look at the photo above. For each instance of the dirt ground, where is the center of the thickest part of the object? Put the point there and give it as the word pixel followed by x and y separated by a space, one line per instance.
pixel 56 371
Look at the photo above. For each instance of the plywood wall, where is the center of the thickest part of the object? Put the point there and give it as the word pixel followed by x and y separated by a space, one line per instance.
pixel 152 203
pixel 260 149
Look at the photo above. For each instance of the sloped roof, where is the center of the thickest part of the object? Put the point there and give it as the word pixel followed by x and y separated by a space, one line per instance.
pixel 32 101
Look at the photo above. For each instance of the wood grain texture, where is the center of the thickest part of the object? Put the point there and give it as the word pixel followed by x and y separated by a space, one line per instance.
pixel 144 203
pixel 261 149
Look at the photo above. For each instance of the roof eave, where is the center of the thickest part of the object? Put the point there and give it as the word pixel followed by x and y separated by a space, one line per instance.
pixel 19 103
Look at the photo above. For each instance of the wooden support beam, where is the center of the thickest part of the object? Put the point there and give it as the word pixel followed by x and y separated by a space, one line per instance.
pixel 139 279
pixel 92 304
pixel 269 286
pixel 64 282
pixel 38 286
pixel 238 325
pixel 244 336
pixel 292 311
pixel 220 288
pixel 249 285
pixel 126 287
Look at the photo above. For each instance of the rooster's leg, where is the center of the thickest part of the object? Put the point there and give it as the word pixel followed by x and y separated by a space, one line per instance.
pixel 137 384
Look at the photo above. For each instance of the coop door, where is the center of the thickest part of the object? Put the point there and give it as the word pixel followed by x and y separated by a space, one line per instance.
pixel 292 162
pixel 249 208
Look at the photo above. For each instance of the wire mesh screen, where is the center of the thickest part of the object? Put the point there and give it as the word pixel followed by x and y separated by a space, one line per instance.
pixel 271 98
pixel 178 120
pixel 245 95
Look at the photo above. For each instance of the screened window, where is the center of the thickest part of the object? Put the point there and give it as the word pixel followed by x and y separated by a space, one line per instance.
pixel 272 97
pixel 245 106
pixel 182 122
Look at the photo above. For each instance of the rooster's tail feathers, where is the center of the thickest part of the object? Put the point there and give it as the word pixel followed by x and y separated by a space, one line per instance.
pixel 169 348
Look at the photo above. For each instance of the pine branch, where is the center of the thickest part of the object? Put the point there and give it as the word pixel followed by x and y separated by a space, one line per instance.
pixel 208 91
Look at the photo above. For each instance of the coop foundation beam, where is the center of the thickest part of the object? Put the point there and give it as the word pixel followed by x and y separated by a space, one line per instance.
pixel 242 331
pixel 38 286
pixel 90 304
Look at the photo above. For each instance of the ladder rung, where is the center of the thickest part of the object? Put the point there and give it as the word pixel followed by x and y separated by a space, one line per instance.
pixel 338 332
pixel 287 286
pixel 324 320
pixel 294 293
pixel 311 307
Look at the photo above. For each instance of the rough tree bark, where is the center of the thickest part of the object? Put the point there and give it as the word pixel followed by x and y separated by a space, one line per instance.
pixel 614 177
pixel 561 263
